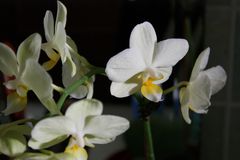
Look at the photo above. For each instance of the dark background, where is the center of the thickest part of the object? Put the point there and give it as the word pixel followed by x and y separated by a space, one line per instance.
pixel 101 28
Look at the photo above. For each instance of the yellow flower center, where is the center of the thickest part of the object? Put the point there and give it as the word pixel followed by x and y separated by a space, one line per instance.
pixel 54 57
pixel 148 82
pixel 73 149
pixel 149 89
pixel 77 152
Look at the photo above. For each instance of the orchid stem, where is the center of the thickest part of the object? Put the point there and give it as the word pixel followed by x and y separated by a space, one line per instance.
pixel 180 84
pixel 149 149
pixel 145 113
pixel 76 84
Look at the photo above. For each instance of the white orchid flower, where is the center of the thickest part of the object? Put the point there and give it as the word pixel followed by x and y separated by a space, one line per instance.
pixel 29 75
pixel 84 123
pixel 145 65
pixel 82 68
pixel 202 85
pixel 56 46
pixel 12 139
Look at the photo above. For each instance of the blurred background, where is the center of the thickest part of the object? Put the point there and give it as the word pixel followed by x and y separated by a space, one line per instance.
pixel 101 29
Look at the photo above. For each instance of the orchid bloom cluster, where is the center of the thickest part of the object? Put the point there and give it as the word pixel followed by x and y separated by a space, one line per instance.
pixel 140 69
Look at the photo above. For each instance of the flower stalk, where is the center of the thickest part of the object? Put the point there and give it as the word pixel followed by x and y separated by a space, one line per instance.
pixel 145 112
pixel 180 84
pixel 149 149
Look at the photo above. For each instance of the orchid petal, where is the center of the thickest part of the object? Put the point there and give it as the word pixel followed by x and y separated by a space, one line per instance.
pixel 32 156
pixel 11 84
pixel 59 40
pixel 184 100
pixel 67 70
pixel 12 144
pixel 79 60
pixel 195 97
pixel 61 14
pixel 22 90
pixel 49 65
pixel 124 65
pixel 184 96
pixel 79 110
pixel 160 74
pixel 90 141
pixel 104 129
pixel 50 105
pixel 90 90
pixel 66 156
pixel 123 89
pixel 48 25
pixel 8 61
pixel 29 48
pixel 185 113
pixel 200 92
pixel 18 129
pixel 49 50
pixel 82 90
pixel 218 77
pixel 152 92
pixel 50 129
pixel 12 141
pixel 15 103
pixel 41 145
pixel 169 52
pixel 71 44
pixel 54 57
pixel 143 39
pixel 39 81
pixel 200 63
pixel 77 152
